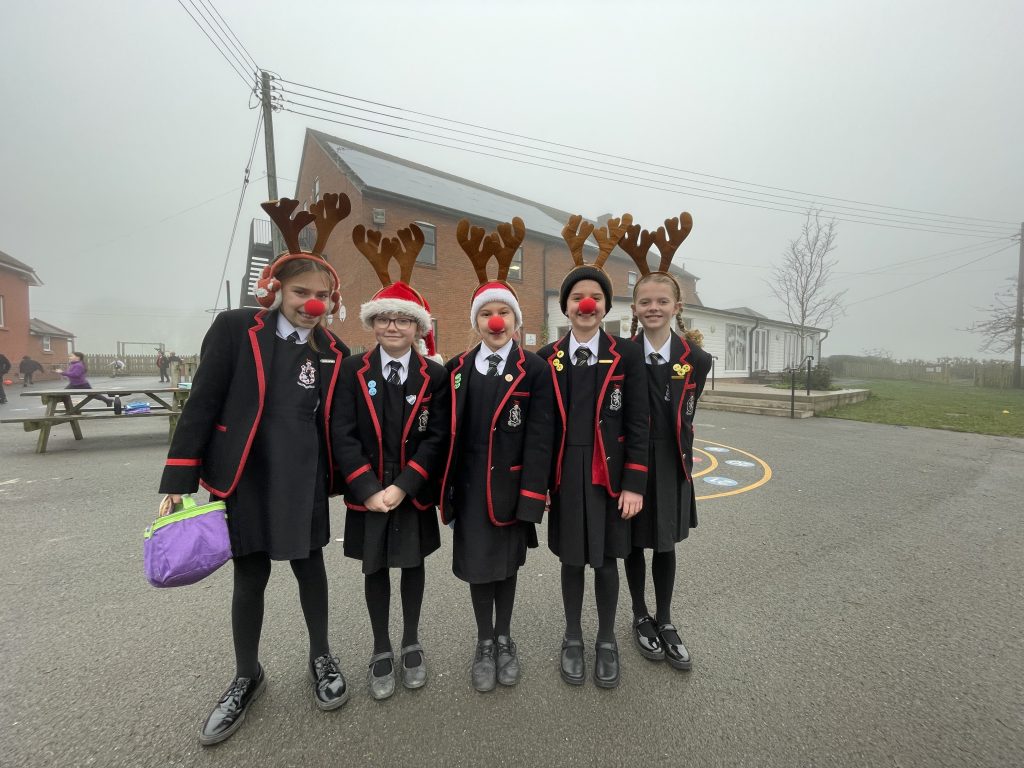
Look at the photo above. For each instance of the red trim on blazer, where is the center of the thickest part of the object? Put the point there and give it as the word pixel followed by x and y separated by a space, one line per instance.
pixel 561 411
pixel 361 378
pixel 420 507
pixel 517 466
pixel 451 442
pixel 184 462
pixel 532 495
pixel 261 384
pixel 338 356
pixel 412 413
pixel 688 384
pixel 418 468
pixel 356 507
pixel 220 427
pixel 358 472
pixel 599 461
pixel 520 363
pixel 637 467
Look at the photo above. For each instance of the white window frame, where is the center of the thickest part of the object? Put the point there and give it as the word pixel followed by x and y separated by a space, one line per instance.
pixel 735 347
pixel 514 274
pixel 47 344
pixel 430 237
pixel 1 311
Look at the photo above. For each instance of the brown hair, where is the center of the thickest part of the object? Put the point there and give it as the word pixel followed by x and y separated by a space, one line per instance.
pixel 664 278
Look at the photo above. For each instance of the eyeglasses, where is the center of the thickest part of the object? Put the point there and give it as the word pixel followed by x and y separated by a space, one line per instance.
pixel 401 323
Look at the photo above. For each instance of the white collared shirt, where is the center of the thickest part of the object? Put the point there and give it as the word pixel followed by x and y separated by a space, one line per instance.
pixel 481 357
pixel 285 329
pixel 665 351
pixel 403 372
pixel 594 345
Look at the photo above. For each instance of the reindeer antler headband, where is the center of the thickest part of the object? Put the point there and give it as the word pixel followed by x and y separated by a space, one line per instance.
pixel 380 250
pixel 575 233
pixel 637 242
pixel 481 247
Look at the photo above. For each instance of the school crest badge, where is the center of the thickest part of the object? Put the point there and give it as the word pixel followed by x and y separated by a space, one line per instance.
pixel 421 422
pixel 615 400
pixel 691 403
pixel 307 375
pixel 515 415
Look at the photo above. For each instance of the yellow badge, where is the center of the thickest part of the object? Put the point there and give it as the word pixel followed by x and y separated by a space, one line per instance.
pixel 558 365
pixel 686 369
pixel 607 362
pixel 561 353
pixel 509 377
pixel 678 369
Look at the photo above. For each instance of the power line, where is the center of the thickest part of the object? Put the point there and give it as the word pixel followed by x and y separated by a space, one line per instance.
pixel 233 63
pixel 850 218
pixel 241 199
pixel 639 162
pixel 236 44
pixel 716 188
pixel 932 277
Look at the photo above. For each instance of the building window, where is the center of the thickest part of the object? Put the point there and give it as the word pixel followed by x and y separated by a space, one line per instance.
pixel 1 311
pixel 433 327
pixel 428 253
pixel 735 347
pixel 316 189
pixel 515 269
pixel 791 349
pixel 46 344
pixel 631 279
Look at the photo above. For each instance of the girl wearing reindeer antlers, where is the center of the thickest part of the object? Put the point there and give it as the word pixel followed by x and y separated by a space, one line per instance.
pixel 255 433
pixel 677 368
pixel 390 430
pixel 601 436
pixel 494 489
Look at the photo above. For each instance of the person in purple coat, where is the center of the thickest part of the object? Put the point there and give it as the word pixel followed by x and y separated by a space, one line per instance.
pixel 75 374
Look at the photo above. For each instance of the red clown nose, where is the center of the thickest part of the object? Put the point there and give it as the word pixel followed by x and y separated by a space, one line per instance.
pixel 314 307
pixel 495 324
pixel 588 306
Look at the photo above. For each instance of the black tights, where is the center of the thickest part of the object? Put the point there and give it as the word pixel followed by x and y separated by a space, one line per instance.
pixel 606 591
pixel 252 572
pixel 663 573
pixel 377 588
pixel 492 606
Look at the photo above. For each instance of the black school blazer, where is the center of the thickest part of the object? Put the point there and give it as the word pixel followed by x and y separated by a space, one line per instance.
pixel 622 418
pixel 356 430
pixel 218 424
pixel 690 367
pixel 519 447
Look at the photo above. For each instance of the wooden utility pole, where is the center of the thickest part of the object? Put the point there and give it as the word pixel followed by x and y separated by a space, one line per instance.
pixel 268 142
pixel 1020 312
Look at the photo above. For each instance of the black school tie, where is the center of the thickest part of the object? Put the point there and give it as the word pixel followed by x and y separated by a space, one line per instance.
pixel 582 355
pixel 293 337
pixel 656 358
pixel 492 364
pixel 394 366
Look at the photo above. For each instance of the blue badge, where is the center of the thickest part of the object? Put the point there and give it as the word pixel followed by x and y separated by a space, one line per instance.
pixel 372 386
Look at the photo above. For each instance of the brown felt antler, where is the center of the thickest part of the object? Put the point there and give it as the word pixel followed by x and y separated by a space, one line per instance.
pixel 575 233
pixel 637 242
pixel 511 236
pixel 678 228
pixel 478 246
pixel 380 250
pixel 608 237
pixel 281 212
pixel 328 210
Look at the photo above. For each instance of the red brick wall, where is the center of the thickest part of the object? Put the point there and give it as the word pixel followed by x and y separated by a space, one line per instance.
pixel 14 331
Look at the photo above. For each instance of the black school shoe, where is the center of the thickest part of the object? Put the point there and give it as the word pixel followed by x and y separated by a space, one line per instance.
pixel 329 688
pixel 573 667
pixel 229 713
pixel 648 643
pixel 606 664
pixel 675 652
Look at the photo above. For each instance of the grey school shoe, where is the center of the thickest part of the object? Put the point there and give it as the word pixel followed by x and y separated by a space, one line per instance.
pixel 507 661
pixel 483 672
pixel 414 677
pixel 382 687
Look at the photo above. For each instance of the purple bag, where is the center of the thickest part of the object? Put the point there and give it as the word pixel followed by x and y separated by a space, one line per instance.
pixel 187 545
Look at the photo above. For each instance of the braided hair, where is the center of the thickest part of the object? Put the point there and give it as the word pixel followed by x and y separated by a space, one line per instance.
pixel 694 336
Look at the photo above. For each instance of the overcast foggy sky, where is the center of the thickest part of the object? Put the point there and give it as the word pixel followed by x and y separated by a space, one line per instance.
pixel 116 115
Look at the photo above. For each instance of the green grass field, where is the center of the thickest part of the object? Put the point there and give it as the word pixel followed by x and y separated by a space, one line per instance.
pixel 960 408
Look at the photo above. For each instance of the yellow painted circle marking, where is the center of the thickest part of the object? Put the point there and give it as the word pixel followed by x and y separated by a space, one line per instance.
pixel 765 477
pixel 712 462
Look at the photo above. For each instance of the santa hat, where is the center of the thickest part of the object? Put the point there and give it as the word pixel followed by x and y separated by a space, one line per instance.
pixel 402 299
pixel 495 290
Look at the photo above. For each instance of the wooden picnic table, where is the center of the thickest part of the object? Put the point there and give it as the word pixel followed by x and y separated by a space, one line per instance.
pixel 61 408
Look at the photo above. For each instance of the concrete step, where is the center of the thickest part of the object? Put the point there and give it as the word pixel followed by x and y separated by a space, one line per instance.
pixel 715 397
pixel 760 410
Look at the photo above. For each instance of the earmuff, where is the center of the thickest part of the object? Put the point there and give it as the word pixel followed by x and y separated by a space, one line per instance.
pixel 268 287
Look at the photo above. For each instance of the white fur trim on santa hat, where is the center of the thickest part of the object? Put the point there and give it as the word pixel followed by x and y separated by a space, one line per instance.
pixel 504 295
pixel 375 307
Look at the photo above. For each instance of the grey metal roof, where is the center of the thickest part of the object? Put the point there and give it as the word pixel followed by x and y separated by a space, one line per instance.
pixel 13 264
pixel 39 328
pixel 385 173
pixel 747 311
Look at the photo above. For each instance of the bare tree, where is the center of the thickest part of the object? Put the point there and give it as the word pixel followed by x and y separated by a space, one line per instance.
pixel 998 330
pixel 800 282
